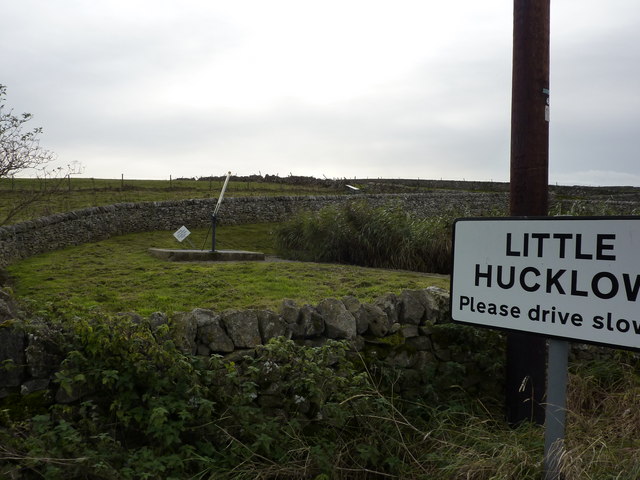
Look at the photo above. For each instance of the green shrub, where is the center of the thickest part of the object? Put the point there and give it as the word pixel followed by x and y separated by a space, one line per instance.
pixel 138 408
pixel 135 407
pixel 356 233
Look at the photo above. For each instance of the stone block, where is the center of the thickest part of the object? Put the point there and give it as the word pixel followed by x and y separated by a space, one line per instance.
pixel 409 331
pixel 203 350
pixel 289 311
pixel 395 328
pixel 389 305
pixel 437 305
pixel 42 356
pixel 420 343
pixel 156 320
pixel 402 358
pixel 351 303
pixel 375 318
pixel 34 385
pixel 8 306
pixel 12 356
pixel 310 322
pixel 271 325
pixel 184 330
pixel 210 333
pixel 362 323
pixel 339 323
pixel 242 327
pixel 412 308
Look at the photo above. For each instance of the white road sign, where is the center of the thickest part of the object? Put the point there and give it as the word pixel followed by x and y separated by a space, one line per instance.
pixel 576 278
pixel 182 233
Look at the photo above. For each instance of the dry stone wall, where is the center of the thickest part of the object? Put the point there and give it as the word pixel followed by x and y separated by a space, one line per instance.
pixel 98 223
pixel 406 333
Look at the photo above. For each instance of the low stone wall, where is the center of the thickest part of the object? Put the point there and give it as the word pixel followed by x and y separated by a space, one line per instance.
pixel 407 333
pixel 45 234
pixel 98 223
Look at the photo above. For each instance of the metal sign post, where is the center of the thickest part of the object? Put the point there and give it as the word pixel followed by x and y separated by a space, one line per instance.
pixel 556 409
pixel 214 219
pixel 556 278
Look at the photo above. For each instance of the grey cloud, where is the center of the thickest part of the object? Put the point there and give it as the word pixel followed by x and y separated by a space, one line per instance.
pixel 89 79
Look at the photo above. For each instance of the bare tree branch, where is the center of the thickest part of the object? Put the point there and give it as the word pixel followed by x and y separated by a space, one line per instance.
pixel 20 150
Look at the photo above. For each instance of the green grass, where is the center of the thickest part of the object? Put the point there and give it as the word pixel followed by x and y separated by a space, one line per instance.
pixel 118 275
pixel 86 192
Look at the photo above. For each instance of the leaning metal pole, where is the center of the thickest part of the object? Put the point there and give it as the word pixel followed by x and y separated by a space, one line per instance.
pixel 214 215
pixel 526 354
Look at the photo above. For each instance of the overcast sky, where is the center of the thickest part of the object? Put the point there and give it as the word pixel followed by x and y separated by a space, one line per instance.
pixel 394 88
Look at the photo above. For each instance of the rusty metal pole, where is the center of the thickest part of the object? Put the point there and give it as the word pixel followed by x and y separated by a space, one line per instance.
pixel 526 354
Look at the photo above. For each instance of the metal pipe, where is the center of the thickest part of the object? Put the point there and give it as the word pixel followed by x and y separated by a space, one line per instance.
pixel 556 408
pixel 213 233
pixel 224 188
pixel 214 219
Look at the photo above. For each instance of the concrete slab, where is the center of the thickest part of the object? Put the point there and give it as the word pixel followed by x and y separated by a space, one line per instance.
pixel 205 255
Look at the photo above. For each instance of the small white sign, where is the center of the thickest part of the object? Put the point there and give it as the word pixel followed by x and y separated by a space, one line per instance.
pixel 576 278
pixel 182 233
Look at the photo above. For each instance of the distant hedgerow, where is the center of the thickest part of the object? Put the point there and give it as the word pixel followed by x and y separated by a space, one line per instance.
pixel 359 234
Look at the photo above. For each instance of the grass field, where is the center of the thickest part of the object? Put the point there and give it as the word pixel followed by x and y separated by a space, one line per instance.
pixel 63 195
pixel 119 275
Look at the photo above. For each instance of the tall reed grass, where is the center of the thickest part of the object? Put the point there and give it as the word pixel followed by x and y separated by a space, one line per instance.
pixel 359 234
